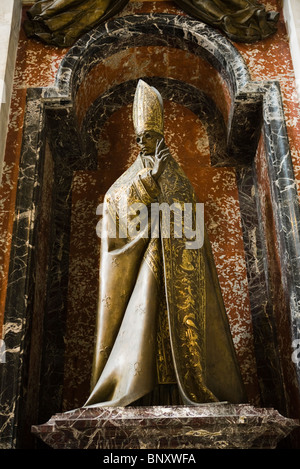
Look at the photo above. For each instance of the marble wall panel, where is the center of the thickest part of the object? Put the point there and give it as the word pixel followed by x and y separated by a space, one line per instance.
pixel 278 297
pixel 36 65
pixel 21 291
pixel 271 60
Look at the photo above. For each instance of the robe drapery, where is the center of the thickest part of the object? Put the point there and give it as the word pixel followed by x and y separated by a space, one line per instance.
pixel 160 316
pixel 62 22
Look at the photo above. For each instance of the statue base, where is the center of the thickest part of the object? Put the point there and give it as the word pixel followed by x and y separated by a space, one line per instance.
pixel 206 426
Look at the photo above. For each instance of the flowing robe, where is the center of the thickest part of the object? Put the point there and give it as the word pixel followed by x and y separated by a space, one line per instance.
pixel 142 278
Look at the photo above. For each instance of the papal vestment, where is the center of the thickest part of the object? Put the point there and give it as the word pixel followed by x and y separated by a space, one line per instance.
pixel 161 315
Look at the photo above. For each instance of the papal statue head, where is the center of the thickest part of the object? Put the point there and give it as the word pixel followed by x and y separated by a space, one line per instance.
pixel 148 114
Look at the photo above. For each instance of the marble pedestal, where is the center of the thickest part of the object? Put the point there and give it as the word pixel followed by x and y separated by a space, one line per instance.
pixel 208 426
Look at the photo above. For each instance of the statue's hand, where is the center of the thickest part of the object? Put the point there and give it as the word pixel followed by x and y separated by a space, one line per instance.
pixel 160 158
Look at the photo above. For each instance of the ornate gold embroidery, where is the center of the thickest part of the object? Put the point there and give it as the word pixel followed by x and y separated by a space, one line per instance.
pixel 185 278
pixel 164 360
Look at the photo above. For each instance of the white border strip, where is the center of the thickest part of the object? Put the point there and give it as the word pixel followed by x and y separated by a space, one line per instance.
pixel 10 19
pixel 291 12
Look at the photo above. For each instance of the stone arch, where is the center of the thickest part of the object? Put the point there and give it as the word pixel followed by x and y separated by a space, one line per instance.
pixel 156 29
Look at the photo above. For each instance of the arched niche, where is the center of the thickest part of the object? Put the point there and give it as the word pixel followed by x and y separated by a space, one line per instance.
pixel 185 50
pixel 243 123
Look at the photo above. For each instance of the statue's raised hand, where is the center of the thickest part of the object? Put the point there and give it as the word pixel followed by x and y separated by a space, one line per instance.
pixel 161 157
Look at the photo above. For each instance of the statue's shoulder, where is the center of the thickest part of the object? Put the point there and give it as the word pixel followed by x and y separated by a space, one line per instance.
pixel 126 178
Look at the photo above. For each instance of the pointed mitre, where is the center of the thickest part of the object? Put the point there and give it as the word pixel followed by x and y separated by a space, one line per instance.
pixel 147 109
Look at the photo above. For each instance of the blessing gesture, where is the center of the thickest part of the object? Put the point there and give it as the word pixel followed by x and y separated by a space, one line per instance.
pixel 161 157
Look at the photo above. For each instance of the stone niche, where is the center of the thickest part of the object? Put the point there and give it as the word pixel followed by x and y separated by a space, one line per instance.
pixel 226 131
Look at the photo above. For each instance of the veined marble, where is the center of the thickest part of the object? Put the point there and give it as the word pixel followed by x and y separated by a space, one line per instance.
pixel 220 426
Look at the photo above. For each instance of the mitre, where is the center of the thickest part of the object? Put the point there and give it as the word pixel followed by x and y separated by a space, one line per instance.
pixel 147 109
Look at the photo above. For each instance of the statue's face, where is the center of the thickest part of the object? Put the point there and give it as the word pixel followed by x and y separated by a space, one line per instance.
pixel 148 141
